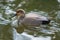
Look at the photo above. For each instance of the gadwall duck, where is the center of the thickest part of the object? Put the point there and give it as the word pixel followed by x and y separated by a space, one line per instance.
pixel 30 19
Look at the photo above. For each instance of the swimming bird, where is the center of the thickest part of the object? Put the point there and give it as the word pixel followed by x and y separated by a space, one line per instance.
pixel 30 20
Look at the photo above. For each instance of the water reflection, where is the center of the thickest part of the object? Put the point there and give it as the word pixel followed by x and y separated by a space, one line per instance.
pixel 25 36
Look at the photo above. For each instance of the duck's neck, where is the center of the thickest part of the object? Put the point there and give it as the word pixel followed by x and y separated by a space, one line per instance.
pixel 20 19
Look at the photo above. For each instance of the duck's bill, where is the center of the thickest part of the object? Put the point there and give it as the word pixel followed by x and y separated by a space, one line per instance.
pixel 14 15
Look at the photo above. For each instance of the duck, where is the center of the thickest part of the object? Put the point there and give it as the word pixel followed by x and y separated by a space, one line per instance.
pixel 29 20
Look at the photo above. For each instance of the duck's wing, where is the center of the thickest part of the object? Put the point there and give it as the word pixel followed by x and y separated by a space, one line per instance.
pixel 32 21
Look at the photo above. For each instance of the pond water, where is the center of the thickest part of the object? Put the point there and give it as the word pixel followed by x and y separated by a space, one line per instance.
pixel 48 8
pixel 25 36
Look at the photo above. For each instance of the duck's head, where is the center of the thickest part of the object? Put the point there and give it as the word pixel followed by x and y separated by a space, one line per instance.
pixel 20 13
